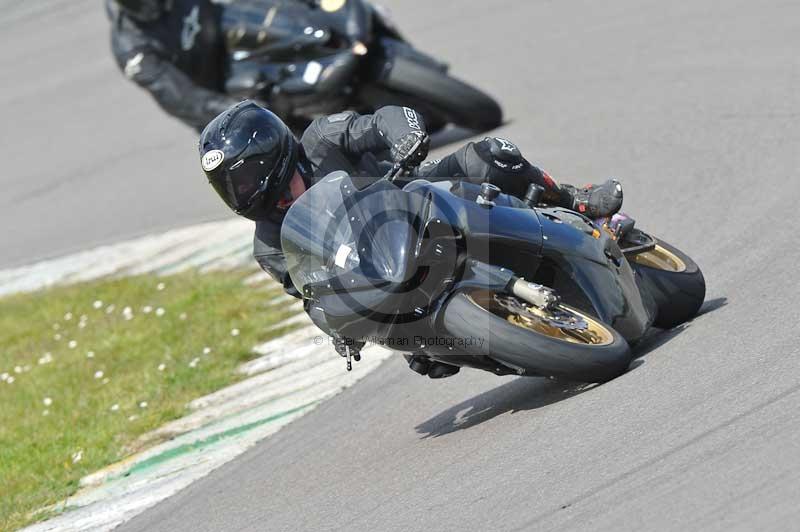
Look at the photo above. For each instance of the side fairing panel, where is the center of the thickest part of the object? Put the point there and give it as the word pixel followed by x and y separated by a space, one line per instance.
pixel 594 263
pixel 505 235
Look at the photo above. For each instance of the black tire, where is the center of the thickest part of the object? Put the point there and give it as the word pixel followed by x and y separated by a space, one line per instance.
pixel 459 103
pixel 462 104
pixel 377 97
pixel 537 353
pixel 678 294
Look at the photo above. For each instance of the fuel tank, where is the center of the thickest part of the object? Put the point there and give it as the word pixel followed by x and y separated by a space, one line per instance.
pixel 506 234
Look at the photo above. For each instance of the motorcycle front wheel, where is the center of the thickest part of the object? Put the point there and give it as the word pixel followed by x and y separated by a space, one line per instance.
pixel 440 97
pixel 564 342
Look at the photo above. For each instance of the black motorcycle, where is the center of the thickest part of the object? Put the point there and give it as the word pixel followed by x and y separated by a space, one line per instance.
pixel 341 54
pixel 462 274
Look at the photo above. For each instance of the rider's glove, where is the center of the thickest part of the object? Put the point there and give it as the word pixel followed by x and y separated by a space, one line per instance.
pixel 411 149
pixel 340 343
pixel 598 201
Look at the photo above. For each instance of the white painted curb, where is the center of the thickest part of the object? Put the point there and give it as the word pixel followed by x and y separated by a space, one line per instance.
pixel 224 244
pixel 293 375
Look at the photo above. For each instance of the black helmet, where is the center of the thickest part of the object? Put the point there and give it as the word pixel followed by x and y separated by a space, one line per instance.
pixel 249 156
pixel 143 10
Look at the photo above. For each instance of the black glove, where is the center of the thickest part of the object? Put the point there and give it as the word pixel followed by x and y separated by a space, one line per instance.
pixel 598 201
pixel 341 344
pixel 411 149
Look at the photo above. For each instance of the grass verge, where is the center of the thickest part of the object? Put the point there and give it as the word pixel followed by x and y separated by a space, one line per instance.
pixel 86 369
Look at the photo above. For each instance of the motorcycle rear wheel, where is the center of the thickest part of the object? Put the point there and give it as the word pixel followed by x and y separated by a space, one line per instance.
pixel 567 343
pixel 674 280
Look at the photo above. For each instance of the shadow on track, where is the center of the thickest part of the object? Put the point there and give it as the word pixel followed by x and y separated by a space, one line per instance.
pixel 711 305
pixel 523 393
pixel 527 393
pixel 655 338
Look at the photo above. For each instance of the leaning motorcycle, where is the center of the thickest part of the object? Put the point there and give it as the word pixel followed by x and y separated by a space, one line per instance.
pixel 343 54
pixel 462 274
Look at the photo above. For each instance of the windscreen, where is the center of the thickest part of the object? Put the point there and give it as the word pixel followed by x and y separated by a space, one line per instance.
pixel 340 237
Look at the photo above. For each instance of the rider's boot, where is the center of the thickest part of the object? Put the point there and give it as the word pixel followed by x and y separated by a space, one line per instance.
pixel 597 201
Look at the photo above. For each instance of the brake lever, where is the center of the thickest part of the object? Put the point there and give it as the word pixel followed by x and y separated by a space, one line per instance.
pixel 398 170
pixel 394 172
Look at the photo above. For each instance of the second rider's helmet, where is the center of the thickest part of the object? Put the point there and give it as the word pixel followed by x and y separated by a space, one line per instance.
pixel 249 156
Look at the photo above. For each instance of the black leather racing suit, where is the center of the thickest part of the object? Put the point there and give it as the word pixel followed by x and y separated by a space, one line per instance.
pixel 356 144
pixel 182 59
pixel 179 58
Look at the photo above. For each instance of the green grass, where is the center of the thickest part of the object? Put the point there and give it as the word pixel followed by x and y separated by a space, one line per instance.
pixel 68 413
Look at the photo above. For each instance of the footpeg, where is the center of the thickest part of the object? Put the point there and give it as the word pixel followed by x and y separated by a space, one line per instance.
pixel 349 357
pixel 348 349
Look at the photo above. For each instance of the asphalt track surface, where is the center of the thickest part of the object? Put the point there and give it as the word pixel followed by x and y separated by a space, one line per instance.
pixel 88 158
pixel 695 106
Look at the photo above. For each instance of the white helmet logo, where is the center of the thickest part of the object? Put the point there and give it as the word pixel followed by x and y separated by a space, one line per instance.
pixel 212 159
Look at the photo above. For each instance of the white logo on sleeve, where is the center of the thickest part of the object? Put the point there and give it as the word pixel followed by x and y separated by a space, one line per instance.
pixel 412 118
pixel 506 145
pixel 212 160
pixel 134 65
pixel 191 27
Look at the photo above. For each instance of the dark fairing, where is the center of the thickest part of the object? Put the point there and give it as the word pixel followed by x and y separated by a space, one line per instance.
pixel 586 266
pixel 336 232
pixel 382 261
pixel 287 35
pixel 303 63
pixel 354 252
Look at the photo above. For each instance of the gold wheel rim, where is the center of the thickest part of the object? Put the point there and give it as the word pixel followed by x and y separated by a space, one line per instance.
pixel 660 258
pixel 540 321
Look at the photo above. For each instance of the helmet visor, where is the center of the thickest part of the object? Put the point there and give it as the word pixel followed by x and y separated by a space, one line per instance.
pixel 242 184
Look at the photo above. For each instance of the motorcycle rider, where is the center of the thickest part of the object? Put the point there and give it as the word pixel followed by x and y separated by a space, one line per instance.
pixel 172 48
pixel 259 168
pixel 177 49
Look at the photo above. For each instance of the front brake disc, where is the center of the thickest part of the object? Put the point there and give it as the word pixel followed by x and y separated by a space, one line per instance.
pixel 557 317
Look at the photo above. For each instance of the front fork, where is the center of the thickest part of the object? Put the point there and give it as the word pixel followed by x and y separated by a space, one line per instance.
pixel 479 275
